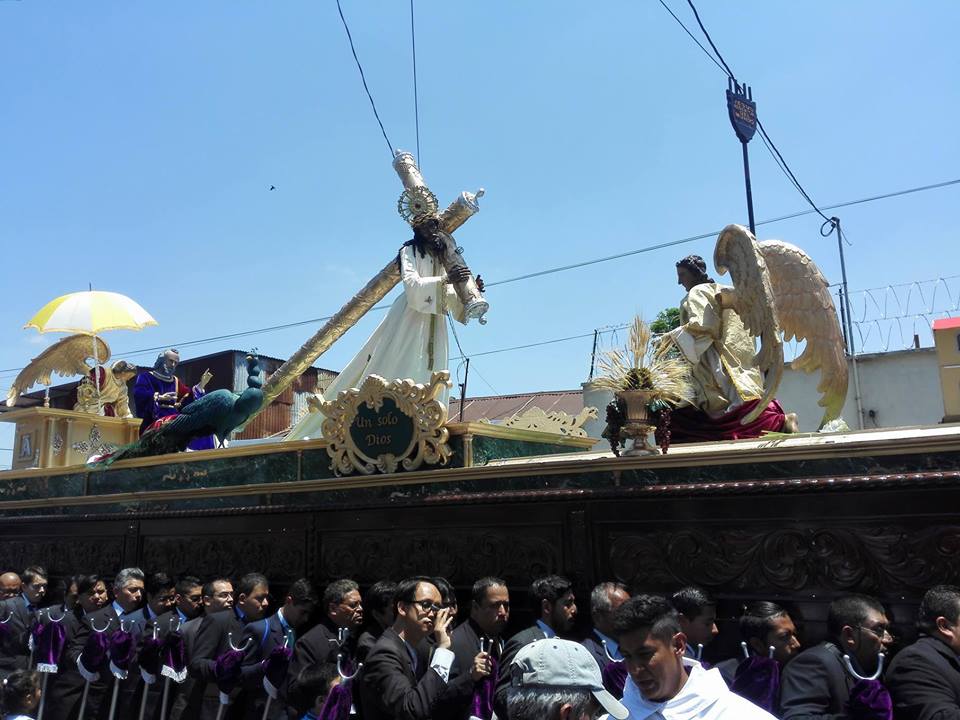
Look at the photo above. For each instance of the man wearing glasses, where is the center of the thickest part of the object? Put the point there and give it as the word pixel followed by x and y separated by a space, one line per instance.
pixel 400 678
pixel 816 683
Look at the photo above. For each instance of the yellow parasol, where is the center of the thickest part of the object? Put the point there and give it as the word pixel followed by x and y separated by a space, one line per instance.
pixel 91 312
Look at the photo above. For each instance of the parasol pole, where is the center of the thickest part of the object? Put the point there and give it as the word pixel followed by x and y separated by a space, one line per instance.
pixel 96 358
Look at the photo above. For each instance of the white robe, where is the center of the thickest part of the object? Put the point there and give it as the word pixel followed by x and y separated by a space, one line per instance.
pixel 410 342
pixel 704 696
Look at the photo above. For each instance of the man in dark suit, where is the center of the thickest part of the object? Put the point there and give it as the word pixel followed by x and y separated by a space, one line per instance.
pixel 556 607
pixel 924 678
pixel 220 632
pixel 342 611
pixel 187 697
pixel 399 680
pixel 267 634
pixel 18 614
pixel 474 643
pixel 64 689
pixel 379 613
pixel 604 599
pixel 815 685
pixel 159 612
pixel 698 618
pixel 123 613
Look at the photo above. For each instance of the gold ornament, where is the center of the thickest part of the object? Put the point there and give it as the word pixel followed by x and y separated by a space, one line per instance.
pixel 428 442
pixel 416 204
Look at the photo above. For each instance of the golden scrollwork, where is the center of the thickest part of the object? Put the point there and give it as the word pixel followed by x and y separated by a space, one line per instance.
pixel 428 442
pixel 555 421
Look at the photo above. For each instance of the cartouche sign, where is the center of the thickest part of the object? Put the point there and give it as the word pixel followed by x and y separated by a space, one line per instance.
pixel 387 426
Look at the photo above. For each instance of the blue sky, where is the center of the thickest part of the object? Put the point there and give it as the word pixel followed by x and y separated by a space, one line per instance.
pixel 138 141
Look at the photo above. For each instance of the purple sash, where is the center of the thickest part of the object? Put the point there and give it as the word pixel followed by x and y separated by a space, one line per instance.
pixel 336 706
pixel 869 700
pixel 48 641
pixel 758 680
pixel 614 678
pixel 481 706
pixel 174 657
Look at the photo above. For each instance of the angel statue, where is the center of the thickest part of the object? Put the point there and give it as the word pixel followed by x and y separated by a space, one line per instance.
pixel 69 357
pixel 778 293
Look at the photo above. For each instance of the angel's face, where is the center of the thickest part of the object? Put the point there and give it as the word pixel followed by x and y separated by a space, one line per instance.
pixel 685 278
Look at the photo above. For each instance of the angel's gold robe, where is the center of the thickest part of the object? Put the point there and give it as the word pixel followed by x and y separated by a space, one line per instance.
pixel 720 350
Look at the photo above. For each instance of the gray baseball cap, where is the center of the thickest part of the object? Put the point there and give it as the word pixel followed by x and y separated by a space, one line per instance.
pixel 556 663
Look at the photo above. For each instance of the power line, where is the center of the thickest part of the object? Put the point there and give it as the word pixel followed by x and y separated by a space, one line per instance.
pixel 712 233
pixel 364 79
pixel 725 68
pixel 548 271
pixel 710 40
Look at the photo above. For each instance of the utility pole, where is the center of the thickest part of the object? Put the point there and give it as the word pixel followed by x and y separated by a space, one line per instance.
pixel 847 318
pixel 743 116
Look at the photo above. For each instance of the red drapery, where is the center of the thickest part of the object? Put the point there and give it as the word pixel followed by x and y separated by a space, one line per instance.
pixel 689 424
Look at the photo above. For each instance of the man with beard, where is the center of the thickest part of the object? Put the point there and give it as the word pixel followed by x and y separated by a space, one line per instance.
pixel 216 633
pixel 159 393
pixel 399 680
pixel 342 616
pixel 475 643
pixel 556 609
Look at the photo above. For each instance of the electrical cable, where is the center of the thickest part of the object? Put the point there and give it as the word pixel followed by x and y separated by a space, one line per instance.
pixel 364 79
pixel 549 271
pixel 725 68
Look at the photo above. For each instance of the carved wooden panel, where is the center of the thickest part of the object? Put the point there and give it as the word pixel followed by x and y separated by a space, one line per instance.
pixel 280 556
pixel 462 555
pixel 877 559
pixel 63 557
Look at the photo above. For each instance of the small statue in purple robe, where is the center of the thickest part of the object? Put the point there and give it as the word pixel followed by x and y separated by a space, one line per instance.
pixel 159 394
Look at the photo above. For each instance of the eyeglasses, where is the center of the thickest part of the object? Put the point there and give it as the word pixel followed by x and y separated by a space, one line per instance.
pixel 880 631
pixel 427 605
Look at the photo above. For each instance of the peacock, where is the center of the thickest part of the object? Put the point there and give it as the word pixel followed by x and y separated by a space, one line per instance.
pixel 217 413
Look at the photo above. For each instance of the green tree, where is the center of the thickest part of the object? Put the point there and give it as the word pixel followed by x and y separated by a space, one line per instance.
pixel 667 320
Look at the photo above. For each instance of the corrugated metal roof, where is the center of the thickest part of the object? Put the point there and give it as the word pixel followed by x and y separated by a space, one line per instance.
pixel 501 407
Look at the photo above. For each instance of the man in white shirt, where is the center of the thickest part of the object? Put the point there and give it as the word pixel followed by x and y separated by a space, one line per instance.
pixel 662 683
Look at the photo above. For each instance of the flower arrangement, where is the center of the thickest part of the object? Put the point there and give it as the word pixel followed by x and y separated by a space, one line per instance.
pixel 646 367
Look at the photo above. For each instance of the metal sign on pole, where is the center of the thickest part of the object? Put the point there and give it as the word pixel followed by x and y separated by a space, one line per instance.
pixel 743 116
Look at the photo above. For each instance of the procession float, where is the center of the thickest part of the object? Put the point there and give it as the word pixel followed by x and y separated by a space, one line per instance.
pixel 699 480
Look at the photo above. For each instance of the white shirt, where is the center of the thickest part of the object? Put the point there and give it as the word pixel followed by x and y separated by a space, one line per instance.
pixel 704 696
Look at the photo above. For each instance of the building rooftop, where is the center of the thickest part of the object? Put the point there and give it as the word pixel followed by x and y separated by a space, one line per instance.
pixel 501 407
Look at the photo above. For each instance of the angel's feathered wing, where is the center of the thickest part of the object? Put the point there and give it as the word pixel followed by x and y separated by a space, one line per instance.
pixel 66 357
pixel 753 299
pixel 806 312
